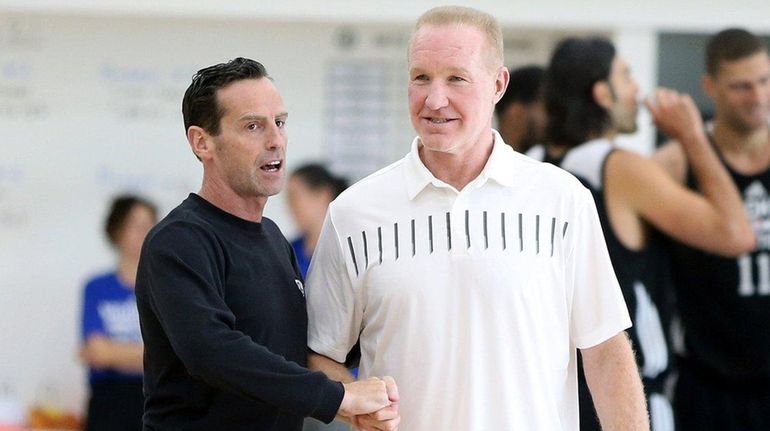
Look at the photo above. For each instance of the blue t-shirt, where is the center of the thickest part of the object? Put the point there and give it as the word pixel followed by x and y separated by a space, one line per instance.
pixel 303 260
pixel 109 309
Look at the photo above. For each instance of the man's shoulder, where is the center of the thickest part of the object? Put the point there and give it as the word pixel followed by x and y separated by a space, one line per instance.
pixel 181 225
pixel 386 180
pixel 544 175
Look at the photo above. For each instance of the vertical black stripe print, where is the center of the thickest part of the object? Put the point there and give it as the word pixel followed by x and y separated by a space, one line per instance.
pixel 449 231
pixel 502 228
pixel 379 242
pixel 537 234
pixel 486 236
pixel 553 232
pixel 564 230
pixel 366 251
pixel 414 247
pixel 467 230
pixel 430 233
pixel 395 237
pixel 353 254
pixel 521 232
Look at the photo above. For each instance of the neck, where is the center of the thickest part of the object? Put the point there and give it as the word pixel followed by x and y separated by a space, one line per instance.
pixel 127 269
pixel 458 169
pixel 228 200
pixel 311 238
pixel 732 140
pixel 609 134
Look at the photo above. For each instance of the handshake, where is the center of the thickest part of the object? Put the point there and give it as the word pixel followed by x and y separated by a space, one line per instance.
pixel 371 404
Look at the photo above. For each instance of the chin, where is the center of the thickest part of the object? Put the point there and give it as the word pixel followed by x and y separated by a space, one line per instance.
pixel 439 144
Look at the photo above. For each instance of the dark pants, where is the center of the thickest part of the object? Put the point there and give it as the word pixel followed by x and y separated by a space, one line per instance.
pixel 115 405
pixel 704 405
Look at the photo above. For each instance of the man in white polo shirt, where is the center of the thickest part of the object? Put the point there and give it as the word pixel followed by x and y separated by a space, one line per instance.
pixel 467 271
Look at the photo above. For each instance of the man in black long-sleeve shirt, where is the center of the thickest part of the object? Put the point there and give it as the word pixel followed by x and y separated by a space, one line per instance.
pixel 220 298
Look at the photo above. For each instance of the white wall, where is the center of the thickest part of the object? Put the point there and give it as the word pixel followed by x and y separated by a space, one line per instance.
pixel 670 14
pixel 98 93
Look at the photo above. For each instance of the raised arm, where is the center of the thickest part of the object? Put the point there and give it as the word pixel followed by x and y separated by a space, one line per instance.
pixel 714 220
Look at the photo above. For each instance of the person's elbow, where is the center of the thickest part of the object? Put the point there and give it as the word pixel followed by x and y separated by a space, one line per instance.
pixel 199 358
pixel 738 239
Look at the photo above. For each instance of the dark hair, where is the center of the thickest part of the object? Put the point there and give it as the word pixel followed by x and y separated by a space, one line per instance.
pixel 573 114
pixel 525 86
pixel 316 177
pixel 120 207
pixel 730 45
pixel 200 106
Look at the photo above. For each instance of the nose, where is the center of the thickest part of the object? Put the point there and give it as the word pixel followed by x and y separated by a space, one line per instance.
pixel 758 93
pixel 275 138
pixel 437 97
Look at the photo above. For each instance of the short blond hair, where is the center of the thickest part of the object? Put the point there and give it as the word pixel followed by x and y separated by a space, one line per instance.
pixel 460 15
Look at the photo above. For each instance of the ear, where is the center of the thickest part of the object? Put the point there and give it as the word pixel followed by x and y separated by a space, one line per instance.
pixel 602 94
pixel 200 142
pixel 501 82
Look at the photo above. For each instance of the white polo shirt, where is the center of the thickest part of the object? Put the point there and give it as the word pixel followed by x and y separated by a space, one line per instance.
pixel 474 301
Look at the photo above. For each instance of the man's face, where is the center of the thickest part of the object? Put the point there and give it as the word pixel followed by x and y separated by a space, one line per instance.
pixel 741 92
pixel 624 92
pixel 453 87
pixel 250 150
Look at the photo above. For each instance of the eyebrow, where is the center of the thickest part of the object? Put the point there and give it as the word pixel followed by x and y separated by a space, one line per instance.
pixel 252 117
pixel 451 70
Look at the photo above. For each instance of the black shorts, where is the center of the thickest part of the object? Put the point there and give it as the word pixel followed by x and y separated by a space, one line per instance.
pixel 115 405
pixel 703 404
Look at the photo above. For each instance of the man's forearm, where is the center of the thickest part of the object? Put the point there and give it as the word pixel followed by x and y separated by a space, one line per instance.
pixel 333 369
pixel 615 385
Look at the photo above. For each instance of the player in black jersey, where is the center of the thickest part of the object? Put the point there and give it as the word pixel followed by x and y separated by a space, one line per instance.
pixel 591 98
pixel 724 303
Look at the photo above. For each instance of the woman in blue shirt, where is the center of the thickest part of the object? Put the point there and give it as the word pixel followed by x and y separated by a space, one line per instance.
pixel 112 342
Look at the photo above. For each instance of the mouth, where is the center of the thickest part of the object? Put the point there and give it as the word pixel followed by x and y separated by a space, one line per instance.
pixel 272 166
pixel 439 120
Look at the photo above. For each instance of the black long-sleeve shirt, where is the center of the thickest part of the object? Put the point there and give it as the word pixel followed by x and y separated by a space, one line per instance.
pixel 223 318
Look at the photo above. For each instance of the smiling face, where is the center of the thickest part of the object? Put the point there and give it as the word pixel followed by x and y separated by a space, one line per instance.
pixel 741 92
pixel 453 87
pixel 250 149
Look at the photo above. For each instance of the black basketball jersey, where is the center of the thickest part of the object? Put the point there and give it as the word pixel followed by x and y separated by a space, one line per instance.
pixel 724 303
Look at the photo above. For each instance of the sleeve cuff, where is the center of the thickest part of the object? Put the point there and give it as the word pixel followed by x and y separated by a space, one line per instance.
pixel 331 399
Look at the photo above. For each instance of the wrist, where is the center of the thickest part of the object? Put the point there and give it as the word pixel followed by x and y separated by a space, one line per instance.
pixel 692 136
pixel 344 409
